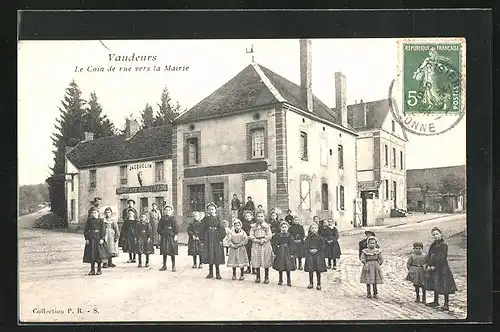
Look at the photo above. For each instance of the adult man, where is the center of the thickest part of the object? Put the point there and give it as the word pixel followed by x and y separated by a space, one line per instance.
pixel 130 206
pixel 235 206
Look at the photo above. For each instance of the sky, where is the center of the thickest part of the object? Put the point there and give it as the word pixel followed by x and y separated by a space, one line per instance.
pixel 45 69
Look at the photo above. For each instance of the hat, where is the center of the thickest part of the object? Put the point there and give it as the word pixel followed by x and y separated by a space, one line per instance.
pixel 131 200
pixel 92 209
pixel 284 222
pixel 418 245
pixel 167 205
pixel 237 221
pixel 369 233
pixel 436 229
pixel 211 204
pixel 288 211
pixel 97 199
pixel 108 209
pixel 371 238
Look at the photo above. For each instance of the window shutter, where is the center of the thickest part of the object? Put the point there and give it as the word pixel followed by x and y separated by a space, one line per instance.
pixel 198 151
pixel 186 152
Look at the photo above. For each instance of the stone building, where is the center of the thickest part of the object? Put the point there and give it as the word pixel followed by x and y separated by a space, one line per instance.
pixel 263 136
pixel 381 165
pixel 136 165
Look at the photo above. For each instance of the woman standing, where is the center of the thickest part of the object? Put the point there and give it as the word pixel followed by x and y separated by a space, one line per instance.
pixel 154 219
pixel 111 238
pixel 167 229
pixel 212 236
pixel 94 233
pixel 440 279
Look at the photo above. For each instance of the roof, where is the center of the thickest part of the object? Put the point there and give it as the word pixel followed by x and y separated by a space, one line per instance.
pixel 255 86
pixel 145 144
pixel 416 177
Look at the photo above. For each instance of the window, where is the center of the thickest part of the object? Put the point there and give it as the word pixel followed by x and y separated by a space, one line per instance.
pixel 305 195
pixel 72 210
pixel 159 172
pixel 341 156
pixel 258 145
pixel 218 194
pixel 197 197
pixel 386 189
pixel 386 153
pixel 324 196
pixel 394 188
pixel 401 160
pixel 93 179
pixel 123 205
pixel 303 146
pixel 393 126
pixel 193 156
pixel 72 183
pixel 159 202
pixel 394 157
pixel 144 205
pixel 123 175
pixel 323 153
pixel 341 197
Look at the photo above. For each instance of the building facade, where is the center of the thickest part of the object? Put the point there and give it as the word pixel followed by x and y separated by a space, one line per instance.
pixel 381 157
pixel 136 165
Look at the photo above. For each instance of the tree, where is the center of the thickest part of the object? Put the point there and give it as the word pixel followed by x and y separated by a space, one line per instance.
pixel 69 131
pixel 147 117
pixel 94 121
pixel 451 184
pixel 167 111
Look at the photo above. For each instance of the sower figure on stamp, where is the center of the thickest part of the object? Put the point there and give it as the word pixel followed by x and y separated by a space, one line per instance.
pixel 168 230
pixel 440 279
pixel 154 219
pixel 94 233
pixel 262 252
pixel 213 234
pixel 283 246
pixel 144 243
pixel 194 243
pixel 111 237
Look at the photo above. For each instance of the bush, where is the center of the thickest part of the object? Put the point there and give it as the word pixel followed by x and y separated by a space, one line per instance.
pixel 50 221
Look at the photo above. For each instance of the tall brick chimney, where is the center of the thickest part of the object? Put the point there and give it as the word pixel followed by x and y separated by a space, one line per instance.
pixel 341 97
pixel 306 73
pixel 131 128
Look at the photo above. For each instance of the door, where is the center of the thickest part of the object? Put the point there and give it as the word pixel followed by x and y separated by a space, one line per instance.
pixel 196 198
pixel 364 195
pixel 395 191
pixel 144 205
pixel 257 189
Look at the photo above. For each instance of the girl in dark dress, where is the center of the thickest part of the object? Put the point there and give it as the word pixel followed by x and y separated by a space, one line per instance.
pixel 416 270
pixel 94 233
pixel 194 243
pixel 247 226
pixel 212 236
pixel 298 234
pixel 314 246
pixel 168 230
pixel 144 242
pixel 274 223
pixel 330 234
pixel 440 279
pixel 128 237
pixel 283 246
pixel 289 216
pixel 371 273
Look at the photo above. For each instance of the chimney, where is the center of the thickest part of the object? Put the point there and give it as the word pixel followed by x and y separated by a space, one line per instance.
pixel 88 136
pixel 341 97
pixel 306 73
pixel 131 128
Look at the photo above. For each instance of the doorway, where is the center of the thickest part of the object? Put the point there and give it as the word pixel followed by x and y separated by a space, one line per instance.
pixel 364 197
pixel 394 190
pixel 257 189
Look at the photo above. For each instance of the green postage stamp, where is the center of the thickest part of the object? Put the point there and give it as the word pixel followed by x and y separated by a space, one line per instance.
pixel 428 97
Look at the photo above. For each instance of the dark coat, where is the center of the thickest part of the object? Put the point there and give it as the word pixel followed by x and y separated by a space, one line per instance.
pixel 144 238
pixel 441 279
pixel 363 245
pixel 194 246
pixel 211 237
pixel 331 235
pixel 298 233
pixel 125 213
pixel 289 218
pixel 167 229
pixel 94 231
pixel 314 262
pixel 283 249
pixel 275 226
pixel 250 206
pixel 127 235
pixel 235 204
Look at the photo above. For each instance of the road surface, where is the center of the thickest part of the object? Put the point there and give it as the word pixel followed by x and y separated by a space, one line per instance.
pixel 54 286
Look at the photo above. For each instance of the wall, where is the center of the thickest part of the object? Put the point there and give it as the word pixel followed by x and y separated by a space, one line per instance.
pixel 316 173
pixel 72 193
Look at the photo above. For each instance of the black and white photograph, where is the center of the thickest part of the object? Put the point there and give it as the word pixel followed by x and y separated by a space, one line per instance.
pixel 318 179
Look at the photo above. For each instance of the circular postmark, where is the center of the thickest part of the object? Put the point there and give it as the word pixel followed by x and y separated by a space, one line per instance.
pixel 428 95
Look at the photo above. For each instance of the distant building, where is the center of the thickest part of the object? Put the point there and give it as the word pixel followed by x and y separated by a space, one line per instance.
pixel 136 165
pixel 437 199
pixel 381 161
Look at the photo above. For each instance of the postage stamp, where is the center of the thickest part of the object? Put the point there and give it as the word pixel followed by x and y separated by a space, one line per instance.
pixel 431 84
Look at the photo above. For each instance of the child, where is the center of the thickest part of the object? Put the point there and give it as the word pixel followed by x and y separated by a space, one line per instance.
pixel 194 243
pixel 289 216
pixel 94 233
pixel 332 250
pixel 363 243
pixel 298 234
pixel 283 248
pixel 262 252
pixel 246 226
pixel 416 271
pixel 111 237
pixel 212 236
pixel 371 274
pixel 127 236
pixel 439 278
pixel 314 247
pixel 225 241
pixel 167 229
pixel 274 223
pixel 238 257
pixel 154 218
pixel 144 242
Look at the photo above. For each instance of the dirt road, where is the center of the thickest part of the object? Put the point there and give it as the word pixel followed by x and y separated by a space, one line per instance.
pixel 54 286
